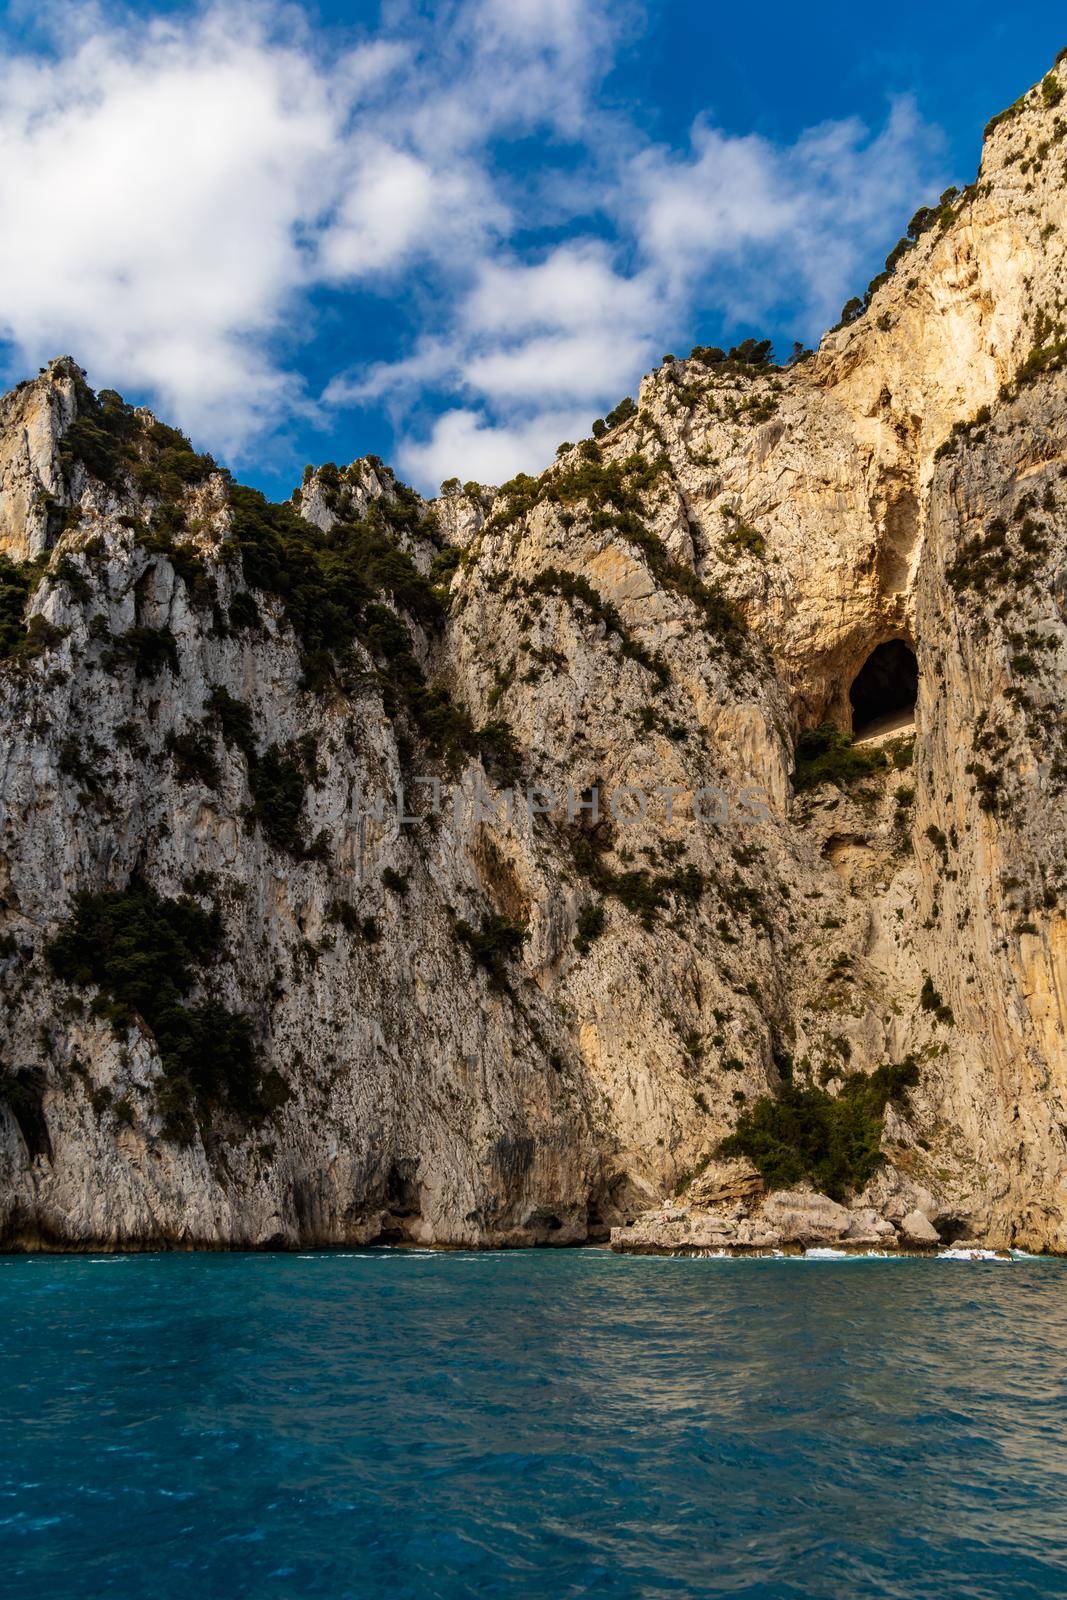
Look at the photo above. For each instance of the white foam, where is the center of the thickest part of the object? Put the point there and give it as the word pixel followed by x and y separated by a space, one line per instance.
pixel 827 1253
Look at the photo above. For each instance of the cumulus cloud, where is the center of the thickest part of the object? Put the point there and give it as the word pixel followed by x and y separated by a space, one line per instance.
pixel 573 365
pixel 153 189
pixel 395 206
pixel 574 286
pixel 174 190
pixel 756 220
pixel 463 443
pixel 566 329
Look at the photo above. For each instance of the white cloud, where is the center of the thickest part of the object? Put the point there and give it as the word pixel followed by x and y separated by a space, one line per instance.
pixel 153 189
pixel 568 328
pixel 570 366
pixel 751 221
pixel 463 444
pixel 531 62
pixel 574 286
pixel 726 195
pixel 397 383
pixel 173 191
pixel 384 213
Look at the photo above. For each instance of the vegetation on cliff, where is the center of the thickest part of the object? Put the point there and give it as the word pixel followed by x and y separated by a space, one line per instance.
pixel 145 953
pixel 612 493
pixel 828 755
pixel 16 586
pixel 115 443
pixel 803 1132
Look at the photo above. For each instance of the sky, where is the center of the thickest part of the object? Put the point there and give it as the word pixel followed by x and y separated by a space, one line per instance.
pixel 453 234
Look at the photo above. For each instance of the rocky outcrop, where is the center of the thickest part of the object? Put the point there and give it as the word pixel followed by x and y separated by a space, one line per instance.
pixel 729 1213
pixel 790 1220
pixel 33 486
pixel 513 894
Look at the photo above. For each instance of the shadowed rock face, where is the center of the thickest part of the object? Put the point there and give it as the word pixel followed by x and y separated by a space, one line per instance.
pixel 494 1020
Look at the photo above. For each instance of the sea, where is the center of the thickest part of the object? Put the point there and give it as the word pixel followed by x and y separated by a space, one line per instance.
pixel 385 1424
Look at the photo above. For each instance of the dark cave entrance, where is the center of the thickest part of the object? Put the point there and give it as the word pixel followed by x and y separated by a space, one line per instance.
pixel 884 690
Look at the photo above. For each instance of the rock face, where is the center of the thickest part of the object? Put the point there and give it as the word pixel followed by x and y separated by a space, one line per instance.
pixel 493 1015
pixel 34 488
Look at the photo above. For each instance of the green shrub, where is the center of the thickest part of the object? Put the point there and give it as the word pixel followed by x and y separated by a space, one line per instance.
pixel 194 756
pixel 329 586
pixel 40 635
pixel 243 611
pixel 751 353
pixel 576 588
pixel 1007 115
pixel 592 920
pixel 827 755
pixel 22 640
pixel 233 718
pixel 101 437
pixel 805 1133
pixel 613 492
pixel 930 1000
pixel 113 444
pixel 145 953
pixel 22 1091
pixel 1051 91
pixel 900 752
pixel 621 413
pixel 325 579
pixel 148 649
pixel 278 783
pixel 939 839
pixel 493 945
pixel 340 911
pixel 743 537
pixel 67 571
pixel 162 539
pixel 988 783
pixel 642 892
pixel 499 750
pixel 444 564
pixel 17 583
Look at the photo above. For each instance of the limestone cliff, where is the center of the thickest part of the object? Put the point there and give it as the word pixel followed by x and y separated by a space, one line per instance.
pixel 251 999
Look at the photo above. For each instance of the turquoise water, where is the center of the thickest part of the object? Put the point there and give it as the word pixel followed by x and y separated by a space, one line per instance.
pixel 390 1424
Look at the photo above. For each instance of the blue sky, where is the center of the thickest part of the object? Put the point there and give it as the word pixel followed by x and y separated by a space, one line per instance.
pixel 453 234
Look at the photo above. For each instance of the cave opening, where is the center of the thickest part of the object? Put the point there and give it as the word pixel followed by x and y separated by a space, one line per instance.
pixel 884 690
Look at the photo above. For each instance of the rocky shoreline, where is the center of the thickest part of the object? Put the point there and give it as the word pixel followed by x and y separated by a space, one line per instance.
pixel 727 1212
pixel 790 1223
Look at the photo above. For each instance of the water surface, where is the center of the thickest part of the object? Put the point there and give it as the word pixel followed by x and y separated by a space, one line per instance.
pixel 393 1424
